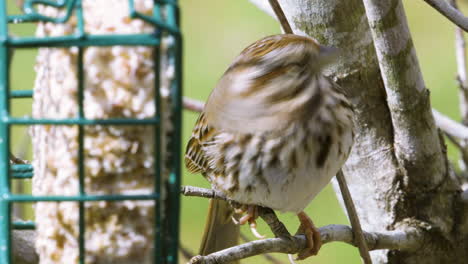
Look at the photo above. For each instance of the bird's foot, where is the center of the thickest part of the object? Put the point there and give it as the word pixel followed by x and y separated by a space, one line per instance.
pixel 314 241
pixel 251 214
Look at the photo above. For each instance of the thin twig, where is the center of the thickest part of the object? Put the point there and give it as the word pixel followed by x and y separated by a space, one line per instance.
pixel 268 257
pixel 460 52
pixel 411 240
pixel 460 55
pixel 281 17
pixel 193 105
pixel 353 218
pixel 450 126
pixel 463 151
pixel 449 12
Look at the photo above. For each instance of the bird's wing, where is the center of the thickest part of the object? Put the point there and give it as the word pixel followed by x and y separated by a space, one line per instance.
pixel 195 158
pixel 220 232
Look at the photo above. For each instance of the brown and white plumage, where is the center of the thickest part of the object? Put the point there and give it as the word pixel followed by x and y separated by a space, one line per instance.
pixel 274 131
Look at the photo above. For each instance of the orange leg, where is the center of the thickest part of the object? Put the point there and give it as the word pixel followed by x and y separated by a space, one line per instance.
pixel 314 242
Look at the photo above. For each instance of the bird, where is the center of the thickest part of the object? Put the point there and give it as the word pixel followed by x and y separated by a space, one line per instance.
pixel 273 133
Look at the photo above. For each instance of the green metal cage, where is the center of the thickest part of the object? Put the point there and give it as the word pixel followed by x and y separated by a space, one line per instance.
pixel 165 19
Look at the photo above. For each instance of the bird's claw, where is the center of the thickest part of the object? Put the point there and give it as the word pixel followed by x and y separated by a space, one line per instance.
pixel 251 214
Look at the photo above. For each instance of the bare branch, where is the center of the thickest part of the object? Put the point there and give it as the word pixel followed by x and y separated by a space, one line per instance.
pixel 281 17
pixel 267 256
pixel 202 192
pixel 449 12
pixel 193 105
pixel 450 126
pixel 460 52
pixel 456 143
pixel 406 241
pixel 284 243
pixel 353 218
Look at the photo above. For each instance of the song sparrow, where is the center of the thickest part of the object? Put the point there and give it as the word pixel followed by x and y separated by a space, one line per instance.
pixel 274 131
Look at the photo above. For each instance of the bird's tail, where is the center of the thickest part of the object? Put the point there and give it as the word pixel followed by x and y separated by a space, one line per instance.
pixel 220 230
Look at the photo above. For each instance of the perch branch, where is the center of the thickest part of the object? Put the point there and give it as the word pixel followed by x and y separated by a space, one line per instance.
pixel 412 239
pixel 202 192
pixel 270 258
pixel 408 241
pixel 449 12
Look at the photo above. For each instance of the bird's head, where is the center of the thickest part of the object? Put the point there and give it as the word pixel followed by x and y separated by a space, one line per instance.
pixel 272 81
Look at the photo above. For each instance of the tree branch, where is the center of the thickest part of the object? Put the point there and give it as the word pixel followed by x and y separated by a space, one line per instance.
pixel 450 126
pixel 353 218
pixel 267 256
pixel 460 52
pixel 449 12
pixel 193 105
pixel 407 241
pixel 202 192
pixel 407 96
pixel 280 16
pixel 412 239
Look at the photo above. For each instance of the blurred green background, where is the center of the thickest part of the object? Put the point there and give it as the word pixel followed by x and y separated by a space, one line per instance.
pixel 215 32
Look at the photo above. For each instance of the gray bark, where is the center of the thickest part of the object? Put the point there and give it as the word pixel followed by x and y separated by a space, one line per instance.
pixel 398 171
pixel 23 247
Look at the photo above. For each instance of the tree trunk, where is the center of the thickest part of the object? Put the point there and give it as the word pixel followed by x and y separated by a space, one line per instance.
pixel 398 171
